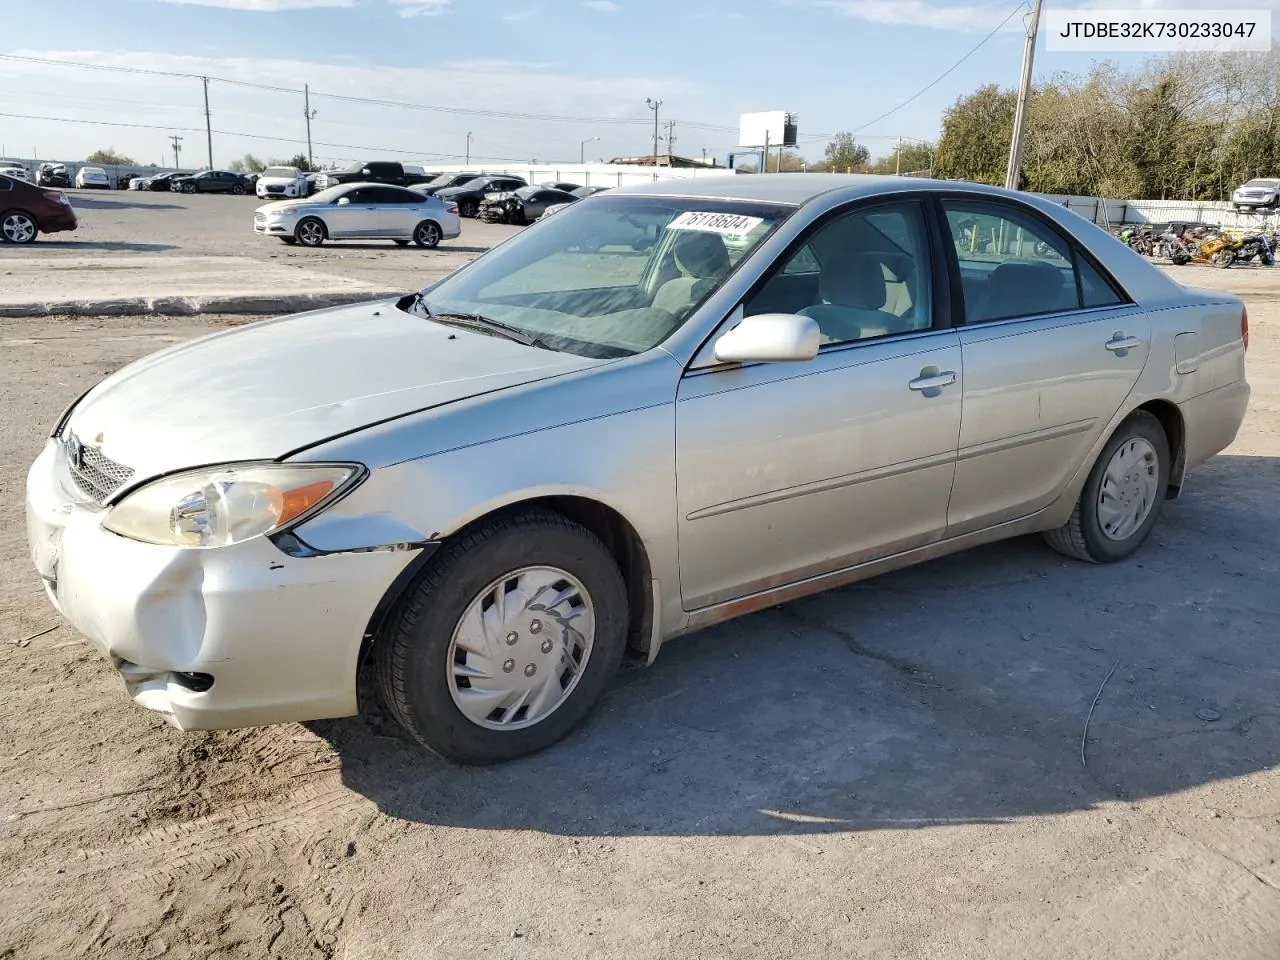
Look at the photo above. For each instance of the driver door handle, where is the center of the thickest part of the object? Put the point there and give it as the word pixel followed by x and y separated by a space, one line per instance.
pixel 935 382
pixel 1118 343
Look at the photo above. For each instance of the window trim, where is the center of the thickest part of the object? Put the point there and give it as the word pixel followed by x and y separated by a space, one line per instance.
pixel 939 281
pixel 1078 250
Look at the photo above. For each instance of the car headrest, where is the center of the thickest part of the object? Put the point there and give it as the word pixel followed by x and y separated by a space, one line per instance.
pixel 853 280
pixel 1016 288
pixel 700 254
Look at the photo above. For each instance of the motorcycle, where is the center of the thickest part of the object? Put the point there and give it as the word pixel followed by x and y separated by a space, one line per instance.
pixel 53 175
pixel 1176 248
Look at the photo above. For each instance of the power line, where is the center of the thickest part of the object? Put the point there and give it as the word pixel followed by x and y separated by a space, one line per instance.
pixel 942 76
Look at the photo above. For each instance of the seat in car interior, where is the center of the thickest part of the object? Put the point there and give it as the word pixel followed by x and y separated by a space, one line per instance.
pixel 1018 289
pixel 702 260
pixel 855 295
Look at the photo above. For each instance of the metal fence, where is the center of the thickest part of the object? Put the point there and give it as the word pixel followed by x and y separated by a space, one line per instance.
pixel 1117 213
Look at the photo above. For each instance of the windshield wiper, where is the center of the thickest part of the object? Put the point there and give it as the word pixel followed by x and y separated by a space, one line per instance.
pixel 477 321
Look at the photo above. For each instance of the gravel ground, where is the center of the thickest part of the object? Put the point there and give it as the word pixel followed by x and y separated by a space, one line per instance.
pixel 888 770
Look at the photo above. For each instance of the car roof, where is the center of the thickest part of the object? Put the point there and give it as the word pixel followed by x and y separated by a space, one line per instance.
pixel 793 188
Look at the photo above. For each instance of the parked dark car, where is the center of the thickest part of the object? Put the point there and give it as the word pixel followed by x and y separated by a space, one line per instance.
pixel 445 180
pixel 164 181
pixel 53 175
pixel 212 181
pixel 471 194
pixel 372 171
pixel 566 187
pixel 523 205
pixel 27 210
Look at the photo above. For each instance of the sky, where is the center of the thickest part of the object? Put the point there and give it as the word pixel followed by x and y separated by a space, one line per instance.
pixel 527 79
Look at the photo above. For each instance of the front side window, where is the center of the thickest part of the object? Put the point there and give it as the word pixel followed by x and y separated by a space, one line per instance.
pixel 1012 265
pixel 610 278
pixel 864 274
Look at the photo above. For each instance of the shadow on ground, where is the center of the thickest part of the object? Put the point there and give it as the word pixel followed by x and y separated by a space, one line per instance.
pixel 386 246
pixel 953 692
pixel 107 245
pixel 83 201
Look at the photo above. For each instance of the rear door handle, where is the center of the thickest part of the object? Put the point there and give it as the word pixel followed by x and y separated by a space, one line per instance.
pixel 935 382
pixel 1116 344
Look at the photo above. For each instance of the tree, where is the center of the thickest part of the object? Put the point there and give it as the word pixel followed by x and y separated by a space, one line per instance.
pixel 846 155
pixel 109 157
pixel 976 132
pixel 301 162
pixel 916 159
pixel 787 161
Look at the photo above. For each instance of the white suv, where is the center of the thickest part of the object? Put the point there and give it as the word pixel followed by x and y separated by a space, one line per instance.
pixel 281 183
pixel 1257 193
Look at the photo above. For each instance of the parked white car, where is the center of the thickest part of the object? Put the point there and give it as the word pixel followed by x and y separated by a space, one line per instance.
pixel 1262 192
pixel 282 183
pixel 92 178
pixel 360 211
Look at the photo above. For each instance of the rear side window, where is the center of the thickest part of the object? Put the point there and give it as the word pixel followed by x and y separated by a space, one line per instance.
pixel 1014 265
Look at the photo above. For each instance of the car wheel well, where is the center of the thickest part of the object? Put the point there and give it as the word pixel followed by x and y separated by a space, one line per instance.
pixel 617 534
pixel 1171 422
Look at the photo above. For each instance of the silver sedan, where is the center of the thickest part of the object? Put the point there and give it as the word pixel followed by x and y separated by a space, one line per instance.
pixel 663 407
pixel 360 211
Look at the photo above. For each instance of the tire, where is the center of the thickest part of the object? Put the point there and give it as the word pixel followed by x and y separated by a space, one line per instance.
pixel 237 190
pixel 189 187
pixel 289 240
pixel 427 234
pixel 1084 536
pixel 402 243
pixel 310 232
pixel 468 208
pixel 417 662
pixel 1224 258
pixel 18 227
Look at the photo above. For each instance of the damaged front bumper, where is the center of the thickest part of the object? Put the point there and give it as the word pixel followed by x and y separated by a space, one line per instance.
pixel 218 638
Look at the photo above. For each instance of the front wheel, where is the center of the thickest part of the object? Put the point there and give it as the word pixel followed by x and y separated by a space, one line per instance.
pixel 468 208
pixel 427 234
pixel 310 232
pixel 18 226
pixel 237 190
pixel 1224 258
pixel 1123 496
pixel 506 641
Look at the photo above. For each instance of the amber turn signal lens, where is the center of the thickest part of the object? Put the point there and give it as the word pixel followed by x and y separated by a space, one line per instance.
pixel 301 499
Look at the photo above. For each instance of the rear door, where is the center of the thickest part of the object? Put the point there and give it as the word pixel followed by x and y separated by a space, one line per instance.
pixel 1052 348
pixel 398 211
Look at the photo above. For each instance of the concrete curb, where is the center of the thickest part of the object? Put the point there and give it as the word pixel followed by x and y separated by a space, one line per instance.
pixel 249 303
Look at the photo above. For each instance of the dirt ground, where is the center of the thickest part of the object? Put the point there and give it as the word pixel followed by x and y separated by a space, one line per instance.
pixel 889 770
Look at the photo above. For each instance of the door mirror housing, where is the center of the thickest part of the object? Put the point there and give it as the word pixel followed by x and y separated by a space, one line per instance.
pixel 343 201
pixel 770 338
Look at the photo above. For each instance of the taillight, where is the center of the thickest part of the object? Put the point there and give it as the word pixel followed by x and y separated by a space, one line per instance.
pixel 1244 326
pixel 57 196
pixel 450 208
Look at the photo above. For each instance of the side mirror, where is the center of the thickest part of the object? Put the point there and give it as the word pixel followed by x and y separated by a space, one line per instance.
pixel 770 338
pixel 343 201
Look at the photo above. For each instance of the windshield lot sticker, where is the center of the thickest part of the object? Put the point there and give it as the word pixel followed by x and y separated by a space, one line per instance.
pixel 729 224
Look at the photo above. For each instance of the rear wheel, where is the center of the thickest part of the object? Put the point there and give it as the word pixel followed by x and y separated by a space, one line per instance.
pixel 468 208
pixel 1122 499
pixel 427 234
pixel 310 232
pixel 18 226
pixel 506 641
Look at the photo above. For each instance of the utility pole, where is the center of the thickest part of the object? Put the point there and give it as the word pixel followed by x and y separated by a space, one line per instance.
pixel 1014 171
pixel 208 127
pixel 654 105
pixel 468 147
pixel 898 165
pixel 671 137
pixel 310 115
pixel 177 146
pixel 582 149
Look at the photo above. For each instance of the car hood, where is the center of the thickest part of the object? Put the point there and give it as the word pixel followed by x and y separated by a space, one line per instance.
pixel 279 181
pixel 264 390
pixel 279 205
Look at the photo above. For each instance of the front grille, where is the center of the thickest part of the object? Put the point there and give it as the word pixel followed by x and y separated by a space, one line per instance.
pixel 259 218
pixel 275 189
pixel 96 475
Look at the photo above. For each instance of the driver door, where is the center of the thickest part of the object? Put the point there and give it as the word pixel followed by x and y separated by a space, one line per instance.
pixel 356 218
pixel 787 471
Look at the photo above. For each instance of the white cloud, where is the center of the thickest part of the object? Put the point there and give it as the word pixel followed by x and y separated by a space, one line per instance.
pixel 265 6
pixel 604 6
pixel 421 8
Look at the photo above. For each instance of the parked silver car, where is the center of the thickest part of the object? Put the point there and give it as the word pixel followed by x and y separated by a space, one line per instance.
pixel 1262 192
pixel 360 211
pixel 488 493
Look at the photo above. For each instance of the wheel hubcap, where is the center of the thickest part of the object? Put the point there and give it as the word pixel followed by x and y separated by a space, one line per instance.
pixel 427 235
pixel 19 228
pixel 520 648
pixel 1129 489
pixel 310 233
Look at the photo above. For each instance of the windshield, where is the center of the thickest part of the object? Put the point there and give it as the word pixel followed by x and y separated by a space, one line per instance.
pixel 612 277
pixel 331 194
pixel 1262 183
pixel 288 172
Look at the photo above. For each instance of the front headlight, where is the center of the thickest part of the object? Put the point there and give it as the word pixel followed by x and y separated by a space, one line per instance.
pixel 217 506
pixel 284 212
